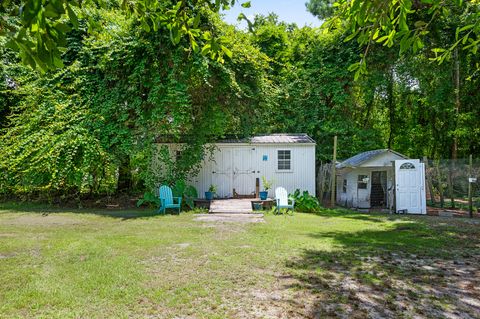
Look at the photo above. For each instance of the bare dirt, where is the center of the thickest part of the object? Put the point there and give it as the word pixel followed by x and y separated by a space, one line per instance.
pixel 230 218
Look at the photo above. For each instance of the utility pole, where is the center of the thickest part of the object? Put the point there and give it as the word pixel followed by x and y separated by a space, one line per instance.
pixel 334 173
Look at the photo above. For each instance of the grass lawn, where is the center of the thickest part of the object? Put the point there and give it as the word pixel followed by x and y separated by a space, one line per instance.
pixel 99 264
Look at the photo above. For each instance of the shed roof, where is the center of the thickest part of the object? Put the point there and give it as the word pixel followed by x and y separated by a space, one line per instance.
pixel 361 158
pixel 272 139
pixel 299 138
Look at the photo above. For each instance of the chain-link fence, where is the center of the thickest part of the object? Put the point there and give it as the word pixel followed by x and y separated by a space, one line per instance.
pixel 324 183
pixel 448 183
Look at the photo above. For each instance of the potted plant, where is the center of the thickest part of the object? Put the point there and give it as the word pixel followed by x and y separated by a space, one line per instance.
pixel 211 192
pixel 266 186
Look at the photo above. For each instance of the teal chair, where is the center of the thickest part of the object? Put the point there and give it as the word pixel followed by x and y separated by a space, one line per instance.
pixel 167 200
pixel 282 200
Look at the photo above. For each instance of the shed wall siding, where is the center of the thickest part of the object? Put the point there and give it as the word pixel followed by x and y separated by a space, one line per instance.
pixel 228 158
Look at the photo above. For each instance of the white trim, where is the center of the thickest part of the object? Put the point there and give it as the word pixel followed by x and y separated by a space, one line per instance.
pixel 291 160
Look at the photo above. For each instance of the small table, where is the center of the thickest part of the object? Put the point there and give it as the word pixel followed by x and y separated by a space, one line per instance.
pixel 266 204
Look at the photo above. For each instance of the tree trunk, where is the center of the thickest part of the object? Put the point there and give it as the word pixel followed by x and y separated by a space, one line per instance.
pixel 124 176
pixel 391 109
pixel 428 174
pixel 456 80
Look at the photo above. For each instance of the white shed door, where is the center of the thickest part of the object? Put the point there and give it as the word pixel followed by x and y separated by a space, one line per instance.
pixel 222 172
pixel 244 171
pixel 410 186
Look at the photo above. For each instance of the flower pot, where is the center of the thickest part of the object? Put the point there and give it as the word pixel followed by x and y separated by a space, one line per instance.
pixel 208 195
pixel 263 195
pixel 257 206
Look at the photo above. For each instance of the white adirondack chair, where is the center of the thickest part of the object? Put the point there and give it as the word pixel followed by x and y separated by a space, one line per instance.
pixel 282 200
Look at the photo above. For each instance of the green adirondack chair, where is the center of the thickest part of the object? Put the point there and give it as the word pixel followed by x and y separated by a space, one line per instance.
pixel 282 200
pixel 167 200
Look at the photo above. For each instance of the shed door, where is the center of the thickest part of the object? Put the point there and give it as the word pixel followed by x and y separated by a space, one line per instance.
pixel 222 172
pixel 410 186
pixel 244 171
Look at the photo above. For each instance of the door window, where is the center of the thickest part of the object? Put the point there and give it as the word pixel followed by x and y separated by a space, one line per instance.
pixel 407 166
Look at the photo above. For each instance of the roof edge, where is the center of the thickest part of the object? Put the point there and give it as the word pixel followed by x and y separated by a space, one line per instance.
pixel 235 139
pixel 342 165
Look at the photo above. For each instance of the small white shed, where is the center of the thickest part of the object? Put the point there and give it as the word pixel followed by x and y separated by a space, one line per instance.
pixel 382 179
pixel 236 165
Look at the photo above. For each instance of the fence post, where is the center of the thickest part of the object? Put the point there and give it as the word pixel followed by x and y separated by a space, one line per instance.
pixel 470 199
pixel 334 164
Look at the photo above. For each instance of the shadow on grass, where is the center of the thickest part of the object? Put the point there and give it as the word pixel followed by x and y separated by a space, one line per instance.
pixel 113 213
pixel 408 270
pixel 345 213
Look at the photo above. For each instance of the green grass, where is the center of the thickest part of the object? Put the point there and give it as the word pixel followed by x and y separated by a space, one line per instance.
pixel 98 264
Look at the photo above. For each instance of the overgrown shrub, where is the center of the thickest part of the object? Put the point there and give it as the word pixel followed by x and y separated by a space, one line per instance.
pixel 149 199
pixel 187 192
pixel 304 202
pixel 181 189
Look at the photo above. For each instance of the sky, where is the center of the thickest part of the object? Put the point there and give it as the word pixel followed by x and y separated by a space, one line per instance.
pixel 287 10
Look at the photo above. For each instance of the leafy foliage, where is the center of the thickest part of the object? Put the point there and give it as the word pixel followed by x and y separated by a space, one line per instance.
pixel 40 30
pixel 99 124
pixel 212 188
pixel 93 126
pixel 314 88
pixel 188 193
pixel 409 24
pixel 267 184
pixel 304 202
pixel 149 199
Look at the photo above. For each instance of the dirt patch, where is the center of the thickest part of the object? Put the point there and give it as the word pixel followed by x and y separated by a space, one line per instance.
pixel 452 212
pixel 5 256
pixel 392 285
pixel 9 235
pixel 183 245
pixel 231 218
pixel 278 301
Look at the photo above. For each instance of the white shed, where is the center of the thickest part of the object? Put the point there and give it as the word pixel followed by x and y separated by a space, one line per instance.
pixel 237 165
pixel 382 179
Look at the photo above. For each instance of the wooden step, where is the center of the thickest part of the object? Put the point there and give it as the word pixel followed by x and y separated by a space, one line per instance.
pixel 231 206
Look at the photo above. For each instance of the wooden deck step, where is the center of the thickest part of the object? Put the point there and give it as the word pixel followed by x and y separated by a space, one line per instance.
pixel 231 206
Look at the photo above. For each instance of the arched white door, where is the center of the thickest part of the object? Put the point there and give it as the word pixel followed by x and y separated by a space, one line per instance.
pixel 410 187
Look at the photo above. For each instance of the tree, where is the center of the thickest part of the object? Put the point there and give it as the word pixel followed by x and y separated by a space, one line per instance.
pixel 92 126
pixel 37 29
pixel 321 8
pixel 408 23
pixel 313 88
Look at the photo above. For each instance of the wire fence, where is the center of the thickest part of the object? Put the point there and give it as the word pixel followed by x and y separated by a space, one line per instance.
pixel 448 183
pixel 447 187
pixel 324 183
